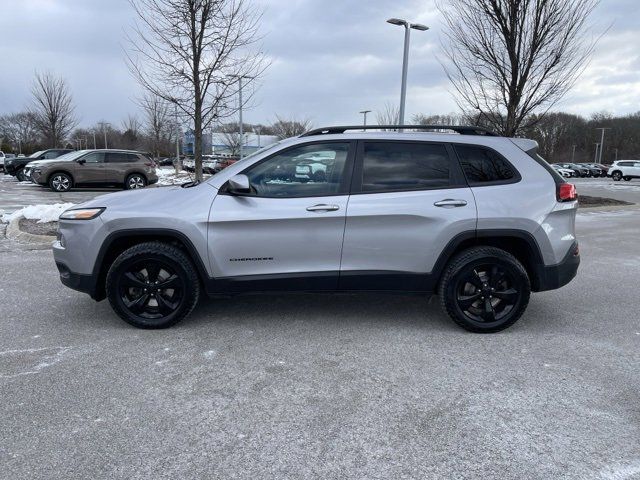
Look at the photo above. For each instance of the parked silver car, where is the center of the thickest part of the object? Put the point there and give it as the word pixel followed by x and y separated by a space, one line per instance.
pixel 479 219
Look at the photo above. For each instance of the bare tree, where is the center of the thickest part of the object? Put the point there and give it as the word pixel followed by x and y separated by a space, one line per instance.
pixel 511 58
pixel 290 127
pixel 192 53
pixel 389 115
pixel 53 108
pixel 157 121
pixel 19 130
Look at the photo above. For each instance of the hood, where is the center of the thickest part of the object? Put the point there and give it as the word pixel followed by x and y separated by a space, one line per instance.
pixel 147 199
pixel 39 163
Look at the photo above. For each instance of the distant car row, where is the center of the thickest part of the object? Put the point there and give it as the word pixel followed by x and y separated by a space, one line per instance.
pixel 62 169
pixel 619 170
pixel 581 169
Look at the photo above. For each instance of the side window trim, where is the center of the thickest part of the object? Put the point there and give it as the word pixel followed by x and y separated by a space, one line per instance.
pixel 456 175
pixel 516 178
pixel 344 183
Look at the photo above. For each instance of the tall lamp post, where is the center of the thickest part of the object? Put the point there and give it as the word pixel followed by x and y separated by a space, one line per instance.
pixel 601 142
pixel 104 129
pixel 364 114
pixel 405 59
pixel 240 78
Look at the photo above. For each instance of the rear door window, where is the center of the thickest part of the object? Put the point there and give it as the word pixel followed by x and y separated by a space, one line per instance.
pixel 402 166
pixel 484 166
pixel 121 157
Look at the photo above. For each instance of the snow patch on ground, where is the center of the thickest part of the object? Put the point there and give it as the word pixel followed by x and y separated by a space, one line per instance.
pixel 167 176
pixel 41 213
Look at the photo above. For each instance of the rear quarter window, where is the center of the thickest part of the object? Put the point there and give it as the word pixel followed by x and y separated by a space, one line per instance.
pixel 483 166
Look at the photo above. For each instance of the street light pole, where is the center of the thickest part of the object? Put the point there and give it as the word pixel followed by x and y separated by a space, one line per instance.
pixel 240 78
pixel 104 130
pixel 601 142
pixel 405 59
pixel 94 139
pixel 364 120
pixel 573 154
pixel 595 156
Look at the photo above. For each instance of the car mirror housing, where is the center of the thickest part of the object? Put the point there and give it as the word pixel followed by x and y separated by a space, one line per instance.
pixel 81 161
pixel 239 185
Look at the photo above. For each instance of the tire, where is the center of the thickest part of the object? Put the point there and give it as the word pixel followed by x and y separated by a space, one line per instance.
pixel 132 291
pixel 617 176
pixel 135 181
pixel 470 277
pixel 627 179
pixel 21 176
pixel 60 182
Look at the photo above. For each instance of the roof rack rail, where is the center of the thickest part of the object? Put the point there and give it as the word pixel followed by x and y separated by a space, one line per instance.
pixel 461 129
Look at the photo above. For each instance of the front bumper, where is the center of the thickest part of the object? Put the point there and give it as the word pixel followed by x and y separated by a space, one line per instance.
pixel 77 281
pixel 551 277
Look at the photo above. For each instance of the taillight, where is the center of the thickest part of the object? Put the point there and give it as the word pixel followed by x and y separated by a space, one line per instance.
pixel 566 192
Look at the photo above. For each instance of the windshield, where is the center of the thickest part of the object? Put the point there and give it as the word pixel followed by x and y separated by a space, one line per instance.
pixel 71 155
pixel 36 154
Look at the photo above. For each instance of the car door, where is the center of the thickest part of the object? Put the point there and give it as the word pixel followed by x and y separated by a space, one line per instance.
pixel 89 168
pixel 286 234
pixel 408 201
pixel 118 165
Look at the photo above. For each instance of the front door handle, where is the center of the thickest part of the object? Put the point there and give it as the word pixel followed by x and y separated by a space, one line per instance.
pixel 323 208
pixel 450 203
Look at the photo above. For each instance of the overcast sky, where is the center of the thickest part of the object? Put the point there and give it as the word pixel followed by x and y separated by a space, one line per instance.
pixel 330 58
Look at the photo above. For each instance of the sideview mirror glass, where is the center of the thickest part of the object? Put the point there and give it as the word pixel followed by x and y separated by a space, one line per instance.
pixel 239 184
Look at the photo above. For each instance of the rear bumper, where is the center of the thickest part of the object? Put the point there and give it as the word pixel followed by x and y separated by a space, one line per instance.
pixel 556 276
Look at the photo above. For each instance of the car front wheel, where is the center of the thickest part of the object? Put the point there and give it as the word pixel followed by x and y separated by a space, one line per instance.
pixel 21 176
pixel 484 289
pixel 135 181
pixel 617 176
pixel 60 182
pixel 152 285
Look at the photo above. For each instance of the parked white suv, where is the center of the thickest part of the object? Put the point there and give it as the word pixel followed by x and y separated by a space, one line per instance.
pixel 479 219
pixel 626 169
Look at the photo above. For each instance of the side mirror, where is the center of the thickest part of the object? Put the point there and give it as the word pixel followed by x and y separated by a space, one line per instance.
pixel 239 185
pixel 82 161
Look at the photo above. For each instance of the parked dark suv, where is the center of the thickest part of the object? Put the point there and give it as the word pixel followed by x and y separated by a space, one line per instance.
pixel 15 166
pixel 125 168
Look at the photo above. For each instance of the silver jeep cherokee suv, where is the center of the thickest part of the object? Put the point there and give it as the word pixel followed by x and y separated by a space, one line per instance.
pixel 479 219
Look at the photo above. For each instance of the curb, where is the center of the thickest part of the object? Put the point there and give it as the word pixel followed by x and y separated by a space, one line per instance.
pixel 14 233
pixel 608 207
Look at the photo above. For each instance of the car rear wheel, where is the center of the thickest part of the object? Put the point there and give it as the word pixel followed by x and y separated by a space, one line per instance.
pixel 484 289
pixel 60 182
pixel 152 285
pixel 135 181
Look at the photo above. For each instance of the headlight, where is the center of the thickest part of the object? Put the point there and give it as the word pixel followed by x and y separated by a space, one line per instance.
pixel 81 213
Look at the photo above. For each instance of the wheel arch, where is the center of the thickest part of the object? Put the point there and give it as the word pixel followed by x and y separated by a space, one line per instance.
pixel 118 242
pixel 519 243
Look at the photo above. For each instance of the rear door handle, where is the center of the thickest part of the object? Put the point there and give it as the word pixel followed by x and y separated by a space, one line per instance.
pixel 450 203
pixel 323 208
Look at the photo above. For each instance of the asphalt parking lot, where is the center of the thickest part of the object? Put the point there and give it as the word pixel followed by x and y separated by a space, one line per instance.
pixel 319 386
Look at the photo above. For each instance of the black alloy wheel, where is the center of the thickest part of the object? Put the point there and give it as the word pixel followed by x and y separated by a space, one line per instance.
pixel 152 285
pixel 485 289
